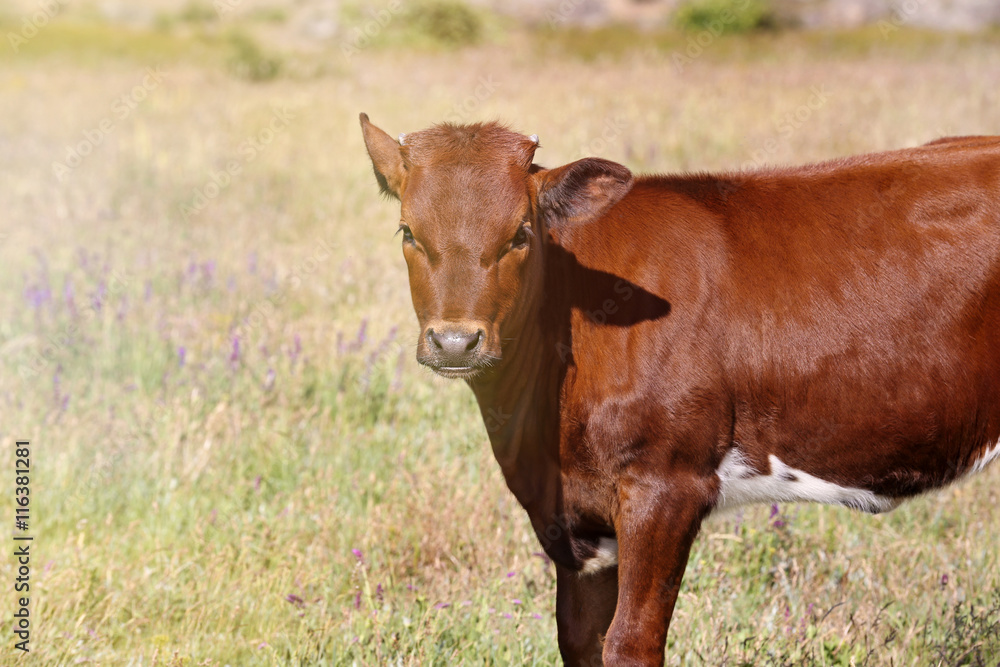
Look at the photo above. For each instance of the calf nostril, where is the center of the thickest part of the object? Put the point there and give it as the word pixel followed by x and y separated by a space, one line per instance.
pixel 474 341
pixel 433 339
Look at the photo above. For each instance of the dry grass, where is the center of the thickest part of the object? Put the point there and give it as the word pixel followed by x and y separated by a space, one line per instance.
pixel 205 512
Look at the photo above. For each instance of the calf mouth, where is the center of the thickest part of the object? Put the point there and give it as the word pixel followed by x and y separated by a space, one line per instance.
pixel 456 372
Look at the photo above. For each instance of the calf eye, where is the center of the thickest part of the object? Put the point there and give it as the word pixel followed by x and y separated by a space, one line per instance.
pixel 521 238
pixel 407 234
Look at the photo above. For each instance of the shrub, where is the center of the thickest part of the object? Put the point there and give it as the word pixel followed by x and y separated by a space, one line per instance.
pixel 448 22
pixel 248 61
pixel 724 16
pixel 195 12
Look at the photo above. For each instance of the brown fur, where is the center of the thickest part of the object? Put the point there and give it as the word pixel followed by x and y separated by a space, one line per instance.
pixel 844 317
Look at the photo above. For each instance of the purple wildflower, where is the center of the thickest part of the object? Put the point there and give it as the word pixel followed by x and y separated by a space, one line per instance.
pixel 516 601
pixel 234 356
pixel 506 615
pixel 397 379
pixel 357 600
pixel 442 605
pixel 537 616
pixel 181 356
pixel 34 296
pixel 208 271
pixel 357 554
pixel 256 483
pixel 68 293
pixel 98 298
pixel 511 574
pixel 774 511
pixel 269 380
pixel 379 593
pixel 362 333
pixel 295 600
pixel 544 556
pixel 944 580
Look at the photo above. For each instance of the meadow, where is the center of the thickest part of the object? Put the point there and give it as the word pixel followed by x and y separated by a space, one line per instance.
pixel 206 333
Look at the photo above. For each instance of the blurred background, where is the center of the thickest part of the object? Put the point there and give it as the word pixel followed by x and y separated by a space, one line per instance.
pixel 205 326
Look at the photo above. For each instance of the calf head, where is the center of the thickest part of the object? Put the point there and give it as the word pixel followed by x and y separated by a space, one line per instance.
pixel 474 213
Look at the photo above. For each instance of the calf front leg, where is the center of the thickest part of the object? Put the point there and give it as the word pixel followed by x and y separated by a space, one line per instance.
pixel 585 605
pixel 657 523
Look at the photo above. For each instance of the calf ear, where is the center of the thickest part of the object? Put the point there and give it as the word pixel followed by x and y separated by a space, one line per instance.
pixel 386 158
pixel 581 190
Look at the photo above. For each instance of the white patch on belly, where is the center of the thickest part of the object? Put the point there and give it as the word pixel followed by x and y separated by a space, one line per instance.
pixel 743 485
pixel 606 556
pixel 987 458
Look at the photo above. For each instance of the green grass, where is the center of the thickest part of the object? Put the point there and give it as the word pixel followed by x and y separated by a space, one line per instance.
pixel 207 512
pixel 95 41
pixel 618 42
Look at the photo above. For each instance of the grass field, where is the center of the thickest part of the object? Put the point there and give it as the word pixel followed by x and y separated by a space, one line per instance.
pixel 205 331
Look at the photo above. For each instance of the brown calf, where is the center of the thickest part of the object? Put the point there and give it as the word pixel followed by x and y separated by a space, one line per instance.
pixel 647 350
